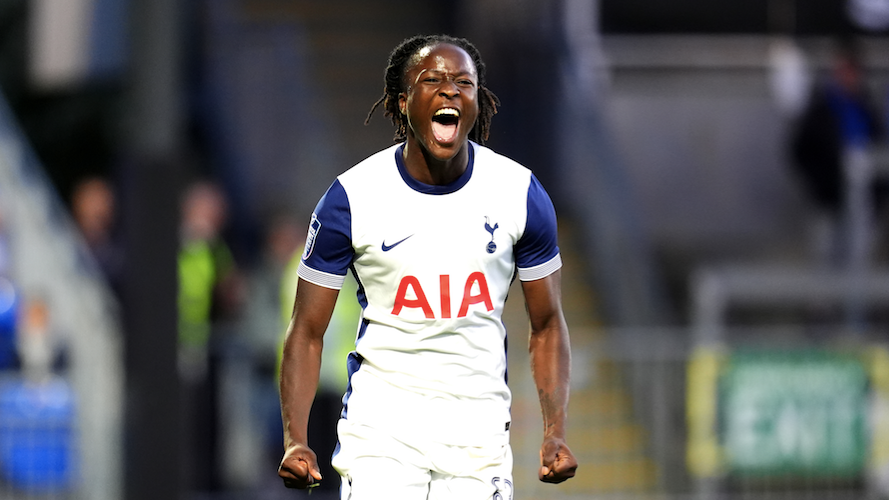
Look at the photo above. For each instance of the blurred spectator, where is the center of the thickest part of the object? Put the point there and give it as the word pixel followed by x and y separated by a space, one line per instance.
pixel 266 321
pixel 209 284
pixel 840 115
pixel 209 295
pixel 36 345
pixel 38 442
pixel 94 208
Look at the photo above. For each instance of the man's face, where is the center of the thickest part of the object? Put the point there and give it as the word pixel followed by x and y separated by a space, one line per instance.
pixel 441 100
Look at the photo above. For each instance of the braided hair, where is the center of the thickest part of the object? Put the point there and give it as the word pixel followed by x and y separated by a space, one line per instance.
pixel 399 64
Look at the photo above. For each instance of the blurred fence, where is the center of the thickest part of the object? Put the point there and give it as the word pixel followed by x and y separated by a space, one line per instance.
pixel 781 412
pixel 61 430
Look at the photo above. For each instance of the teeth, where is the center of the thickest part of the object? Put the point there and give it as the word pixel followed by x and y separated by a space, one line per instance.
pixel 447 111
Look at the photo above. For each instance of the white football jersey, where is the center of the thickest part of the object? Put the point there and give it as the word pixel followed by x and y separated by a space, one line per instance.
pixel 434 265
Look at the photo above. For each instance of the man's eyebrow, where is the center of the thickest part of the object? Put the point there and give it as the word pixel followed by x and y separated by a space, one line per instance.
pixel 440 72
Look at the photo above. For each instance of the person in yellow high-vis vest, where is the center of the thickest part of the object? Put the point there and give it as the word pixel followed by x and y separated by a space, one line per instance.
pixel 208 292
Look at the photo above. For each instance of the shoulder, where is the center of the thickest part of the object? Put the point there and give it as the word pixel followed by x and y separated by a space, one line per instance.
pixel 372 169
pixel 487 158
pixel 499 169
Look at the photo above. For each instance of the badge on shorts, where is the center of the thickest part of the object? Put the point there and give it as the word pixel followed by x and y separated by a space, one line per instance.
pixel 314 228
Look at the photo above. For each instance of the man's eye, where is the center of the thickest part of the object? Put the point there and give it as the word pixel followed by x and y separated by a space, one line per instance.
pixel 432 80
pixel 467 83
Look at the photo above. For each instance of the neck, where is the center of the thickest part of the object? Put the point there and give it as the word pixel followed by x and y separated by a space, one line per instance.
pixel 424 167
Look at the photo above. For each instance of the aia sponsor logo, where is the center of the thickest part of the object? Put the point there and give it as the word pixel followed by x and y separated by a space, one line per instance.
pixel 412 295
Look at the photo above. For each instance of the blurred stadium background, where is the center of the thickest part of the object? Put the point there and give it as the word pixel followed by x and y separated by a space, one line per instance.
pixel 717 353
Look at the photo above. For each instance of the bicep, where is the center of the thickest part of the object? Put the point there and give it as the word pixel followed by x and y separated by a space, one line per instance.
pixel 312 309
pixel 543 300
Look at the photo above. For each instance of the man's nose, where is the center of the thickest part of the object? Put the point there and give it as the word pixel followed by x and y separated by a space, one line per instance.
pixel 449 88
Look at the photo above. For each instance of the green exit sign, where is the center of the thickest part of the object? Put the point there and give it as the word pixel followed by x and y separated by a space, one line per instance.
pixel 794 413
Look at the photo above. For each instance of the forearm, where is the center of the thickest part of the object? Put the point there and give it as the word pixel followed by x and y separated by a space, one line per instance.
pixel 300 366
pixel 551 367
pixel 301 358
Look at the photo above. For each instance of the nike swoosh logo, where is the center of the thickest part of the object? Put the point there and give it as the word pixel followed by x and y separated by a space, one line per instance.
pixel 386 247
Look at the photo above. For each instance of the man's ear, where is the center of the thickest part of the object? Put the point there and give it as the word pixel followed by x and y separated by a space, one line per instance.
pixel 402 103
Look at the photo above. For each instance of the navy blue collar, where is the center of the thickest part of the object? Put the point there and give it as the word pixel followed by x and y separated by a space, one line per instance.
pixel 421 187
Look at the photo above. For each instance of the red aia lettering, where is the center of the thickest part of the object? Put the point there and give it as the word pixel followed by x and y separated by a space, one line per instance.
pixel 483 295
pixel 402 301
pixel 444 284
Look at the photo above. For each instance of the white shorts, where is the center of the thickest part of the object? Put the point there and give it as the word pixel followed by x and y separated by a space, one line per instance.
pixel 375 465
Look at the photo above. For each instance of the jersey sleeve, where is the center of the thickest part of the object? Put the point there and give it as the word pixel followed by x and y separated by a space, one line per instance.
pixel 537 252
pixel 328 252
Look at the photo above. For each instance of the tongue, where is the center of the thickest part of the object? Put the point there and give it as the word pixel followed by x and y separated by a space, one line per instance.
pixel 444 133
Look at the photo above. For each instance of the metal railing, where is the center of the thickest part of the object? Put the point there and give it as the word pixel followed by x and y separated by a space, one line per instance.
pixel 654 418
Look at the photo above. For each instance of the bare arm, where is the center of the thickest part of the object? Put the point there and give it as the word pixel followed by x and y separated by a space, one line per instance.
pixel 300 365
pixel 550 351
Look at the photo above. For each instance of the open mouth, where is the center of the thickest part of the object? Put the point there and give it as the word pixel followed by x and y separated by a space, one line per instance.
pixel 444 124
